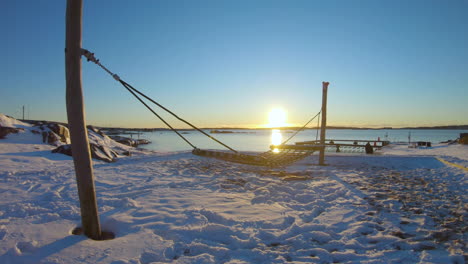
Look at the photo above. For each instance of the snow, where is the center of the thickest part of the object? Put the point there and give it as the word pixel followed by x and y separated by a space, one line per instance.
pixel 6 121
pixel 400 206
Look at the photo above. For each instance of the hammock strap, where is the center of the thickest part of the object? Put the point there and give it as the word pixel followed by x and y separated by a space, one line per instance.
pixel 90 57
pixel 300 129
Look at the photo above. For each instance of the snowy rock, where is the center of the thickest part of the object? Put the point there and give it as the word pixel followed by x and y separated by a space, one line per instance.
pixel 53 133
pixel 102 147
pixel 98 152
pixel 130 141
pixel 64 149
pixel 61 131
pixel 8 121
pixel 9 125
pixel 8 130
pixel 125 140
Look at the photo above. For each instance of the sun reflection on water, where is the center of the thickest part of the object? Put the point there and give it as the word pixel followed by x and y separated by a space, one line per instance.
pixel 276 139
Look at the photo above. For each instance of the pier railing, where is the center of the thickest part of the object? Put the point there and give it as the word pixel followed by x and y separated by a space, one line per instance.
pixel 344 142
pixel 343 145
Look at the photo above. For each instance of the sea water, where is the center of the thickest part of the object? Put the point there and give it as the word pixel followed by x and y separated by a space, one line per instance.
pixel 261 139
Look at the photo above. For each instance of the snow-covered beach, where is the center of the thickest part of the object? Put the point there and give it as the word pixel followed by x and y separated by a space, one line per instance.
pixel 401 206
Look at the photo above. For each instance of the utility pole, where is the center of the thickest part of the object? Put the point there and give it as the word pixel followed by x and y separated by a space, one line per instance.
pixel 23 112
pixel 323 127
pixel 76 121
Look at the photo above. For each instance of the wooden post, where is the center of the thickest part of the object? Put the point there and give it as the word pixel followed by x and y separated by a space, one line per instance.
pixel 76 122
pixel 323 127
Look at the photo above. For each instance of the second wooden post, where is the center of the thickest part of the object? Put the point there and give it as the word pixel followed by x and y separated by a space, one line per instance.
pixel 323 126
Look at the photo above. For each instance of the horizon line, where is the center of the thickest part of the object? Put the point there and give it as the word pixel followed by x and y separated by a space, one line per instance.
pixel 462 127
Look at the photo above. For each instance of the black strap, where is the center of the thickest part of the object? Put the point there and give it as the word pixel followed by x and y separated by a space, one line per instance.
pixel 164 121
pixel 132 90
pixel 300 129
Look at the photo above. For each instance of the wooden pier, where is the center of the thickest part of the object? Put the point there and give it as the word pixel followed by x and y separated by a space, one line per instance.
pixel 356 142
pixel 298 147
pixel 337 145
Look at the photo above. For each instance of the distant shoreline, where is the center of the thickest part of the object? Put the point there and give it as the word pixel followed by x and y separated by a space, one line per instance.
pixel 460 127
pixel 450 127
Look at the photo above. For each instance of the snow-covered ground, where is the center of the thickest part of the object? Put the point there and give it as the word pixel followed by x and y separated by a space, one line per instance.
pixel 400 206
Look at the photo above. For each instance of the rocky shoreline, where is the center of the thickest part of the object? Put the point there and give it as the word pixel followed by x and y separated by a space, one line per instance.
pixel 102 147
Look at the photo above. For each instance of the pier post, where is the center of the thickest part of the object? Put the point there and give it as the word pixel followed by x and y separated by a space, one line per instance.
pixel 76 121
pixel 323 126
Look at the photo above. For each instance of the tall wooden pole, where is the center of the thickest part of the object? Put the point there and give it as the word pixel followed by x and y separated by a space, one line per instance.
pixel 323 127
pixel 76 122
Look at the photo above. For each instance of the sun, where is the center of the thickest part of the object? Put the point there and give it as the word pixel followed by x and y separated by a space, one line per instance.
pixel 277 118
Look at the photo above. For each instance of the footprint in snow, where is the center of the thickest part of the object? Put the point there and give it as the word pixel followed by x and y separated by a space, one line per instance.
pixel 150 257
pixel 2 233
pixel 25 247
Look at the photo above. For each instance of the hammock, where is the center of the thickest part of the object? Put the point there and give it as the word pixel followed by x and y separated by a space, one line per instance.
pixel 283 155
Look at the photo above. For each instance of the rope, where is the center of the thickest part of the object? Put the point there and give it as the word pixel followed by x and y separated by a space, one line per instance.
pixel 170 112
pixel 160 118
pixel 300 129
pixel 90 57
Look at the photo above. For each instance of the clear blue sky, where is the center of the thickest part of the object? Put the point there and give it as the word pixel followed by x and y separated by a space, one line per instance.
pixel 227 63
